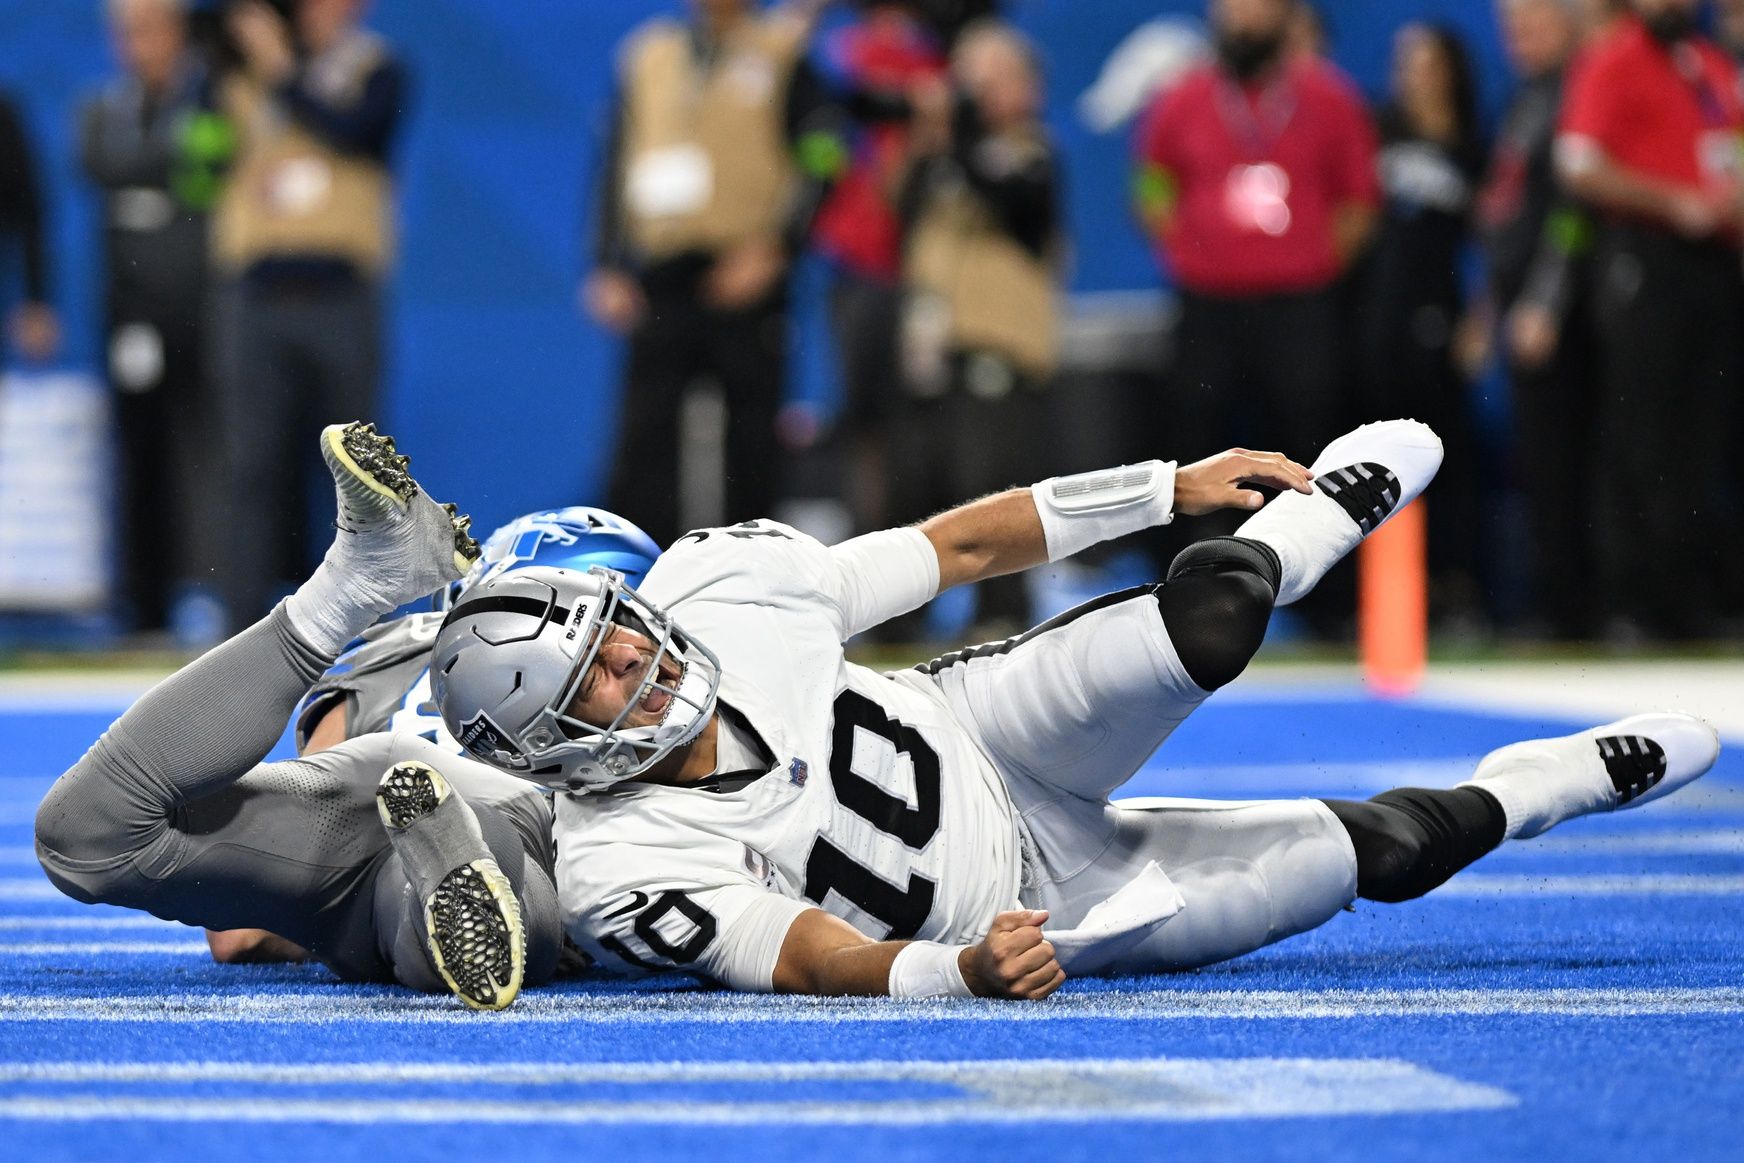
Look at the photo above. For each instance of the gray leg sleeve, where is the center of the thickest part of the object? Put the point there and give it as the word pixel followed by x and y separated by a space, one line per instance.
pixel 190 735
pixel 173 812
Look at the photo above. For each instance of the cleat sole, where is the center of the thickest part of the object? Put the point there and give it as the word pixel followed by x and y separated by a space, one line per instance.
pixel 473 922
pixel 408 792
pixel 370 458
pixel 466 548
pixel 476 938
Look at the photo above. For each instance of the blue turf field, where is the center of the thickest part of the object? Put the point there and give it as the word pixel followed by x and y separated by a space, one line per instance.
pixel 1577 996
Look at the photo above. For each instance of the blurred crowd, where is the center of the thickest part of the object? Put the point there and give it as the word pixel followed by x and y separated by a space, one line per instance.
pixel 242 155
pixel 1331 262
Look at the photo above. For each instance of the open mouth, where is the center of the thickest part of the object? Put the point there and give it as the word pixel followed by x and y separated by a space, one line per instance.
pixel 658 691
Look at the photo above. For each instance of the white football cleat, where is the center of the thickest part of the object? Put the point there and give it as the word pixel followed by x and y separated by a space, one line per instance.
pixel 472 922
pixel 392 537
pixel 1360 480
pixel 1542 782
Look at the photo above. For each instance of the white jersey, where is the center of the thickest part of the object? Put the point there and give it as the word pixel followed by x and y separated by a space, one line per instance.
pixel 876 805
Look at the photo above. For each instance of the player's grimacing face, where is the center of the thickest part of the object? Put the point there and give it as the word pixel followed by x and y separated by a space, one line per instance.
pixel 622 673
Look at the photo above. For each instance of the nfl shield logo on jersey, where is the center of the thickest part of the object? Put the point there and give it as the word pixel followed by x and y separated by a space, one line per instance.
pixel 797 772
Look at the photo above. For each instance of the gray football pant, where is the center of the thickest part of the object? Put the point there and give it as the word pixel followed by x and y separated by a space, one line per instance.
pixel 173 812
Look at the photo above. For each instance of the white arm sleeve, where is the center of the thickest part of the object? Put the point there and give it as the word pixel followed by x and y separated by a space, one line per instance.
pixel 880 575
pixel 754 924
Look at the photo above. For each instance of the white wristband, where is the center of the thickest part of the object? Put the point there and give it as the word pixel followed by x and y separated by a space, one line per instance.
pixel 1081 510
pixel 928 969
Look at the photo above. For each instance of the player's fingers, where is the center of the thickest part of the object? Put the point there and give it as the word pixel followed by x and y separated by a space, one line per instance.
pixel 1055 982
pixel 1017 941
pixel 1234 498
pixel 1017 919
pixel 1040 982
pixel 1022 964
pixel 1277 470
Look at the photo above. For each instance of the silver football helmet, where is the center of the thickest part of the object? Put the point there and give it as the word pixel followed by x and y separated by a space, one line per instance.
pixel 510 660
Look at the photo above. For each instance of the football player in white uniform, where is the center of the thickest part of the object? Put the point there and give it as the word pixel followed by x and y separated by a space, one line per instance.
pixel 737 800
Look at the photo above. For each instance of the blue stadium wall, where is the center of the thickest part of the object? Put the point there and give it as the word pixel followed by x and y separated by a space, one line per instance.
pixel 504 393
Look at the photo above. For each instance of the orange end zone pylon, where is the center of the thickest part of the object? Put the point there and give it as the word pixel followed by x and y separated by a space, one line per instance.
pixel 1393 604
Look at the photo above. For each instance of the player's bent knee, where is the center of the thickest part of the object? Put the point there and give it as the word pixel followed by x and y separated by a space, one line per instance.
pixel 62 833
pixel 86 851
pixel 1216 618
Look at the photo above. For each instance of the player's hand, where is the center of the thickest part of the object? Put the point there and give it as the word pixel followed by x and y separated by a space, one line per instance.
pixel 252 947
pixel 1014 960
pixel 1214 483
pixel 614 299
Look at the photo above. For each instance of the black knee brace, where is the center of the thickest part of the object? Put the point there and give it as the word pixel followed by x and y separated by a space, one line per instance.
pixel 1411 839
pixel 1216 604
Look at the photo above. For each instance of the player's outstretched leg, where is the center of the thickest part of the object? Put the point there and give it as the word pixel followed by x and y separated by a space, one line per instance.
pixel 1360 480
pixel 473 927
pixel 393 543
pixel 1542 782
pixel 1410 840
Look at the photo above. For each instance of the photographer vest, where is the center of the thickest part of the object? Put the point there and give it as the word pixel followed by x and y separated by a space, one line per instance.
pixel 706 158
pixel 293 196
pixel 997 296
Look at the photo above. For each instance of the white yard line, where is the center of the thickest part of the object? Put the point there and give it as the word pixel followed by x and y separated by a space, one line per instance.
pixel 94 921
pixel 1693 842
pixel 992 1091
pixel 101 948
pixel 29 888
pixel 660 1008
pixel 1595 690
pixel 1530 884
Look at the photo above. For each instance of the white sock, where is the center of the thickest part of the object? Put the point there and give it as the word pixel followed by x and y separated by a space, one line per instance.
pixel 1309 533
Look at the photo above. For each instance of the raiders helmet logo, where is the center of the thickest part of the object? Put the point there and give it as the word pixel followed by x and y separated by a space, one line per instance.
pixel 489 742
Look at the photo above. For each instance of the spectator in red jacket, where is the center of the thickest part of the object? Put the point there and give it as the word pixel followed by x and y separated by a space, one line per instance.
pixel 1652 134
pixel 1257 181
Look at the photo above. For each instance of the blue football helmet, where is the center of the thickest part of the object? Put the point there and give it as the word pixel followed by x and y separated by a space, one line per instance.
pixel 576 538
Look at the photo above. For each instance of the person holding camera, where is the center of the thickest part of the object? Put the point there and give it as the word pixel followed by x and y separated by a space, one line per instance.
pixel 301 238
pixel 980 206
